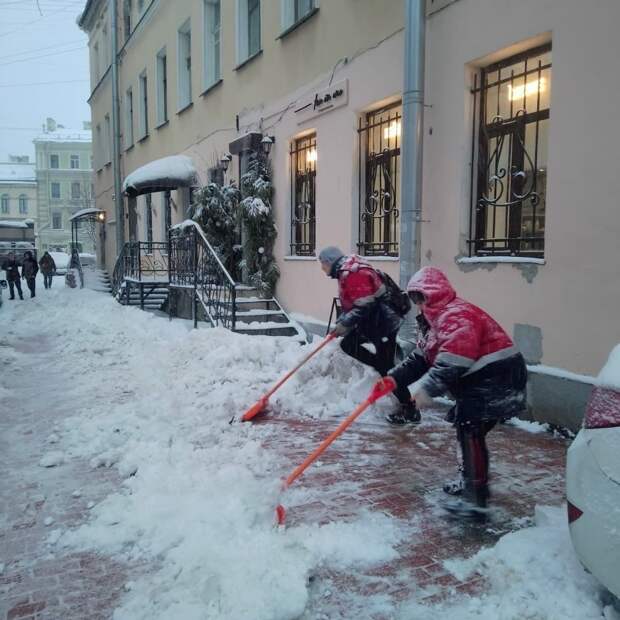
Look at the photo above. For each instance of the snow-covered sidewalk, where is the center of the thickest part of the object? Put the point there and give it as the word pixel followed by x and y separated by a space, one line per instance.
pixel 129 491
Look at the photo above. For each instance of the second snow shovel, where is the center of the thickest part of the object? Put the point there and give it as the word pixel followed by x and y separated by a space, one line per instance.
pixel 380 389
pixel 260 405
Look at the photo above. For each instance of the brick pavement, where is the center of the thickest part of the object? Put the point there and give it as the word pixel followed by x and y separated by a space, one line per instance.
pixel 393 470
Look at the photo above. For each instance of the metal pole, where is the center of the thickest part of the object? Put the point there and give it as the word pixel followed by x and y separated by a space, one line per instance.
pixel 411 148
pixel 195 268
pixel 116 139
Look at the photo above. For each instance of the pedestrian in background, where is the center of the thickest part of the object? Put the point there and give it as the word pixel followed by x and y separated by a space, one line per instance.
pixel 11 268
pixel 48 269
pixel 29 272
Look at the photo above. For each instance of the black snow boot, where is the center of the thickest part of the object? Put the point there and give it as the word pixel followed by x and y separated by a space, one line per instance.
pixel 407 413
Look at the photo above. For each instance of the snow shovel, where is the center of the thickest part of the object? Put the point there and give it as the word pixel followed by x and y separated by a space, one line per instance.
pixel 260 405
pixel 380 389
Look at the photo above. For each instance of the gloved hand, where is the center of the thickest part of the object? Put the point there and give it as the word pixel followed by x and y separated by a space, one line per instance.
pixel 339 330
pixel 384 386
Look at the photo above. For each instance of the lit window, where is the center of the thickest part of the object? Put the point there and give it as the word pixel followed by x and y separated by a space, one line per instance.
pixel 509 175
pixel 303 156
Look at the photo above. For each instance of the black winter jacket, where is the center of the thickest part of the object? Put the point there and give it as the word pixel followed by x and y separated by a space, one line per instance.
pixel 12 270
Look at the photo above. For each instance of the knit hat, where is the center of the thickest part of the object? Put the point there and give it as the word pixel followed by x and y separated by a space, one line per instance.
pixel 330 255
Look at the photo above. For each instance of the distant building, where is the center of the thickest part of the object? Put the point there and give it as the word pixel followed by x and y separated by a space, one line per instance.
pixel 64 178
pixel 18 190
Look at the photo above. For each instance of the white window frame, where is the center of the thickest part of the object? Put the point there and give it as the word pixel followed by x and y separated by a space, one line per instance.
pixel 288 9
pixel 242 32
pixel 128 118
pixel 5 204
pixel 23 204
pixel 162 87
pixel 54 214
pixel 74 195
pixel 212 20
pixel 74 159
pixel 57 161
pixel 143 117
pixel 184 65
pixel 52 185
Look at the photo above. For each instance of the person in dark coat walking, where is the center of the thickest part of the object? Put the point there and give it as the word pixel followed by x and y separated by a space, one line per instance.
pixel 367 318
pixel 12 275
pixel 465 353
pixel 48 269
pixel 29 272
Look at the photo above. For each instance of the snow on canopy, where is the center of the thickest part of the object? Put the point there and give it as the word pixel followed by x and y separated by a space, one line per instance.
pixel 15 223
pixel 160 175
pixel 82 212
pixel 610 374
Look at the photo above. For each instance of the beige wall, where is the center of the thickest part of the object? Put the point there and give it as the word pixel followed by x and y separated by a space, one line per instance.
pixel 574 297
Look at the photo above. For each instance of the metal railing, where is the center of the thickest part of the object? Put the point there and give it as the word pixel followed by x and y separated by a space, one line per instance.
pixel 193 265
pixel 141 261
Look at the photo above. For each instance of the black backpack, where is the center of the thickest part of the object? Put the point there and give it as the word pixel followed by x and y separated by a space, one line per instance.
pixel 395 297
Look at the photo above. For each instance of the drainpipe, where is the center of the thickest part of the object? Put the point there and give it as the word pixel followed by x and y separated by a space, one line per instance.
pixel 411 149
pixel 116 138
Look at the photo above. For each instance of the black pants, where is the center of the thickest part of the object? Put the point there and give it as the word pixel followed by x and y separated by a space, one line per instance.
pixel 31 282
pixel 472 438
pixel 15 284
pixel 47 280
pixel 382 361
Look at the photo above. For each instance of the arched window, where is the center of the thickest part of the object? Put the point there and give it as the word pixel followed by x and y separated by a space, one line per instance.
pixel 4 203
pixel 23 204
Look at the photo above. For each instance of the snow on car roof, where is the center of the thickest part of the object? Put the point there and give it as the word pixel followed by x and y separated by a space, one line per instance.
pixel 610 373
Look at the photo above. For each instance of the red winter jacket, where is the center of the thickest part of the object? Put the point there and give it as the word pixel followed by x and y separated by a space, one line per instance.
pixel 361 292
pixel 460 332
pixel 465 353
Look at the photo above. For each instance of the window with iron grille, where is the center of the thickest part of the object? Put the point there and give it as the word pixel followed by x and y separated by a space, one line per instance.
pixel 379 170
pixel 303 195
pixel 509 156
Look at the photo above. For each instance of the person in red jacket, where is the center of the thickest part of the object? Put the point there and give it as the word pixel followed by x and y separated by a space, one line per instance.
pixel 367 318
pixel 464 353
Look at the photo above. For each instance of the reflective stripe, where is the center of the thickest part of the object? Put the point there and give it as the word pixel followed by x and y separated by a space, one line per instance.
pixel 454 360
pixel 496 356
pixel 369 299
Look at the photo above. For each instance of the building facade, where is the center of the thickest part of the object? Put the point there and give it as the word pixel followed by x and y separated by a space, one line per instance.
pixel 18 189
pixel 518 138
pixel 64 186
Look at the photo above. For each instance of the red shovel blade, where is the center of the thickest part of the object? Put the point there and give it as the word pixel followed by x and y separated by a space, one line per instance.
pixel 254 410
pixel 280 514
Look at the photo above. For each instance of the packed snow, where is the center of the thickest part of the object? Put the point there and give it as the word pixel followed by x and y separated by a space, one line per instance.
pixel 160 402
pixel 610 373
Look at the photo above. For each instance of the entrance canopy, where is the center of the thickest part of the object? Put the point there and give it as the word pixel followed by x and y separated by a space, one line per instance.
pixel 160 175
pixel 87 214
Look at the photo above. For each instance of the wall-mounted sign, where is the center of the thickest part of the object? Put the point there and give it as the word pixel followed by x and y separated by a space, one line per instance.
pixel 325 100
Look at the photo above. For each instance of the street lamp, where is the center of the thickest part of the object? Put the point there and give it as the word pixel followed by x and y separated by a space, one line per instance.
pixel 266 144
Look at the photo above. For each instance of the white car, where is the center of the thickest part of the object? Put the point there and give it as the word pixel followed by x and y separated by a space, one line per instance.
pixel 593 480
pixel 62 262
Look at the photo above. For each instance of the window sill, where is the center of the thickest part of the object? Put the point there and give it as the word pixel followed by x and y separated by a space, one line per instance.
pixel 248 60
pixel 186 107
pixel 129 148
pixel 298 23
pixel 468 260
pixel 162 124
pixel 143 138
pixel 384 259
pixel 108 164
pixel 300 258
pixel 211 87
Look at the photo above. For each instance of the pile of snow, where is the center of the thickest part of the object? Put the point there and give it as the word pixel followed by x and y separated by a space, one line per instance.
pixel 155 399
pixel 610 373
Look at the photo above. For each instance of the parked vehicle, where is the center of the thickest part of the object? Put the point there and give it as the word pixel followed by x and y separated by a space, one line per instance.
pixel 593 480
pixel 62 262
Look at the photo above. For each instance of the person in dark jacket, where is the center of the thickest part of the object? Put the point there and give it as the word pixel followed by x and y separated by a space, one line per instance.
pixel 463 352
pixel 48 269
pixel 29 272
pixel 12 275
pixel 367 318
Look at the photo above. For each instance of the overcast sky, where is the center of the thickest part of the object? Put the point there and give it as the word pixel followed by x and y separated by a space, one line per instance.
pixel 43 70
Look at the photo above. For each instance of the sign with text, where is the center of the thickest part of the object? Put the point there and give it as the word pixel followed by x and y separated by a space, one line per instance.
pixel 325 100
